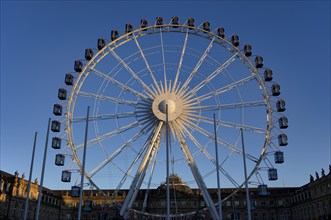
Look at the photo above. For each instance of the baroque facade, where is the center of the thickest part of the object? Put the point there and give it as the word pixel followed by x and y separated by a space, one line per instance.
pixel 13 196
pixel 311 201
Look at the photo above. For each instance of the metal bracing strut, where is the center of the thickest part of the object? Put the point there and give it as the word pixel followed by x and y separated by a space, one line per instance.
pixel 139 177
pixel 197 175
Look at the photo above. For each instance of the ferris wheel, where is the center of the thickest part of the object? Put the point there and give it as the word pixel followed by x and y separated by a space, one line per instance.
pixel 177 76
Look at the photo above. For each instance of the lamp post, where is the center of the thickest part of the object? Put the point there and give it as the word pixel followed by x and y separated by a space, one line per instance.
pixel 43 172
pixel 30 176
pixel 83 168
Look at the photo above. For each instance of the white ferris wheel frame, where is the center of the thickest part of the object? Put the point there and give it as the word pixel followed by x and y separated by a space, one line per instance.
pixel 157 94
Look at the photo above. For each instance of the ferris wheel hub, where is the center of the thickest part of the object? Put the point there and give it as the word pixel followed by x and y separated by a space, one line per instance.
pixel 173 102
pixel 171 106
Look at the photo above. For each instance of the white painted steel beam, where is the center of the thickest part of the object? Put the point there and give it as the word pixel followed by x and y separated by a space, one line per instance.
pixel 136 182
pixel 195 171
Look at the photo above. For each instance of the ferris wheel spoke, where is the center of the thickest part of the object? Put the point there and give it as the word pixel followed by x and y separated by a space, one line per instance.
pixel 93 184
pixel 105 117
pixel 147 65
pixel 119 84
pixel 196 68
pixel 229 177
pixel 87 176
pixel 196 117
pixel 150 93
pixel 188 122
pixel 210 158
pixel 140 174
pixel 185 132
pixel 239 105
pixel 145 104
pixel 242 126
pixel 109 135
pixel 180 63
pixel 118 151
pixel 108 98
pixel 134 162
pixel 129 170
pixel 163 63
pixel 221 90
pixel 146 118
pixel 196 173
pixel 211 76
pixel 231 147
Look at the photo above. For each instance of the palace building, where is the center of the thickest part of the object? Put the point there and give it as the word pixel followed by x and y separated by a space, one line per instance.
pixel 311 201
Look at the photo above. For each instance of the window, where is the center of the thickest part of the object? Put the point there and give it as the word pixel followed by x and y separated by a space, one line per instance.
pixel 1 185
pixel 8 187
pixel 31 213
pixel 235 215
pixel 255 216
pixel 273 216
pixel 280 202
pixel 308 212
pixel 236 203
pixel 228 203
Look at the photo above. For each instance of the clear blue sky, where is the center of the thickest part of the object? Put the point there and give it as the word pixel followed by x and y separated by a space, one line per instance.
pixel 40 40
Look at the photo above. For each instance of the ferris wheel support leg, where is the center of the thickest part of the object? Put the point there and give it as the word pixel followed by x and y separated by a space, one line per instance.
pixel 197 176
pixel 139 177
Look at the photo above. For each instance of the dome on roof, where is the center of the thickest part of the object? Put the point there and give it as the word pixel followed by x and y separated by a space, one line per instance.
pixel 175 183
